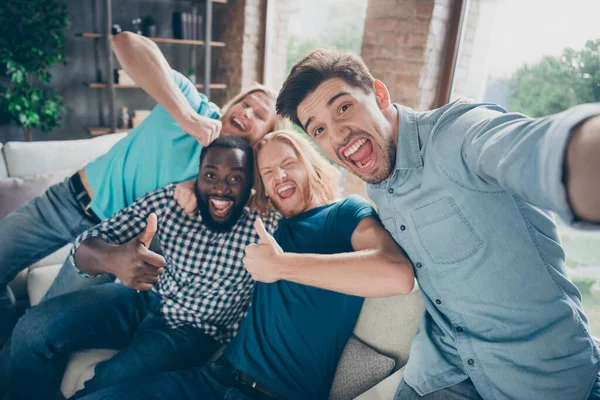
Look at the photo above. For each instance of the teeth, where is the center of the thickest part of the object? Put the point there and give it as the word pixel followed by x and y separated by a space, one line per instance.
pixel 237 121
pixel 284 188
pixel 355 148
pixel 220 204
pixel 361 165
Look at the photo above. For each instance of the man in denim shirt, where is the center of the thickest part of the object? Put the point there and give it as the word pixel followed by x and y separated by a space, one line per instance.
pixel 468 191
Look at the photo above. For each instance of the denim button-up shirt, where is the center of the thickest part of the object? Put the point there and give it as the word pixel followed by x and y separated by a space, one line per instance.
pixel 468 201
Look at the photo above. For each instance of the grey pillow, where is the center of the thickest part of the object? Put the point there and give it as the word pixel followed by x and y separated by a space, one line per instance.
pixel 359 369
pixel 15 192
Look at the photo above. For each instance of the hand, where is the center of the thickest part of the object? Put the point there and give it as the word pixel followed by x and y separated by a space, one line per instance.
pixel 204 129
pixel 264 261
pixel 135 265
pixel 186 197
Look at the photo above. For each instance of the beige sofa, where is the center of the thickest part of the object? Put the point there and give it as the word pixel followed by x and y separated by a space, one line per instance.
pixel 387 325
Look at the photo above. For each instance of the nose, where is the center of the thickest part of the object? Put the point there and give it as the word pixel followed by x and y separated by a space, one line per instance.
pixel 248 112
pixel 280 174
pixel 338 133
pixel 221 188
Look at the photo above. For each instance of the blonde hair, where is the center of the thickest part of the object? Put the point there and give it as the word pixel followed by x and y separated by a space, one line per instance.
pixel 323 177
pixel 279 123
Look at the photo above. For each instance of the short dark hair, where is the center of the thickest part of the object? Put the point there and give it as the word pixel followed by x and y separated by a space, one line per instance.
pixel 233 142
pixel 315 68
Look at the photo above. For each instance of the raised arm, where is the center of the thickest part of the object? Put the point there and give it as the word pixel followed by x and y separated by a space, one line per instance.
pixel 551 162
pixel 376 268
pixel 144 62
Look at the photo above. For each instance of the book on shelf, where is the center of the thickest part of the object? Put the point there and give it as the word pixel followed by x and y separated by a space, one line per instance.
pixel 188 25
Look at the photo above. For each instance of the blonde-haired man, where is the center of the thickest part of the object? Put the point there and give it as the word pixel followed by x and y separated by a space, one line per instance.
pixel 163 149
pixel 310 289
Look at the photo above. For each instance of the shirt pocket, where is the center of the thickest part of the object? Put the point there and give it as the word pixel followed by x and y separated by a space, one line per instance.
pixel 445 233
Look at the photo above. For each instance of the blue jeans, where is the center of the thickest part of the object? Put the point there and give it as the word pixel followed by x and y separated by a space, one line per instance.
pixel 462 391
pixel 32 232
pixel 212 382
pixel 105 316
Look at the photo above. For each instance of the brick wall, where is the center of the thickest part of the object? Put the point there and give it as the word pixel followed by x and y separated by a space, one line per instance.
pixel 240 63
pixel 403 45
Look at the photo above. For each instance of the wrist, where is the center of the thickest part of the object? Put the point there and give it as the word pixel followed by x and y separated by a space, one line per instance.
pixel 288 266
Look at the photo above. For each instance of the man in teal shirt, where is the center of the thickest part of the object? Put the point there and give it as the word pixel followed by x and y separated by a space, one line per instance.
pixel 163 149
pixel 468 191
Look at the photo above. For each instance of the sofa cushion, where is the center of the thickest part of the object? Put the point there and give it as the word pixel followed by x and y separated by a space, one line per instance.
pixel 359 369
pixel 390 324
pixel 386 389
pixel 29 158
pixel 15 192
pixel 3 170
pixel 39 281
pixel 81 368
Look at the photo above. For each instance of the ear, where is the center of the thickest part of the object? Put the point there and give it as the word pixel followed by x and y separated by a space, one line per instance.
pixel 382 95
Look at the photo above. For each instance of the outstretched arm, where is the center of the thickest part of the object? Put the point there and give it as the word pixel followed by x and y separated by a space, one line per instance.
pixel 376 268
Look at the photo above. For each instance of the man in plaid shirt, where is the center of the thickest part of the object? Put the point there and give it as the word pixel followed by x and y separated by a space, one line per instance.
pixel 174 310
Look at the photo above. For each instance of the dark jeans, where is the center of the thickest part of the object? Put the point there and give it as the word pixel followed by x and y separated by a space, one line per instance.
pixel 211 382
pixel 32 232
pixel 106 316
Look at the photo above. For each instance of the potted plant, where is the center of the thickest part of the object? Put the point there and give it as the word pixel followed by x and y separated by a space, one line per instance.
pixel 32 38
pixel 149 26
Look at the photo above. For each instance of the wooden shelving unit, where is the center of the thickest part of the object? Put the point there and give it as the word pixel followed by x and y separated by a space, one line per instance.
pixel 100 85
pixel 158 40
pixel 103 38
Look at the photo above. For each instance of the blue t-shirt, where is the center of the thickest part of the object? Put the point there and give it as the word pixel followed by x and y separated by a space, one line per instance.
pixel 153 154
pixel 293 335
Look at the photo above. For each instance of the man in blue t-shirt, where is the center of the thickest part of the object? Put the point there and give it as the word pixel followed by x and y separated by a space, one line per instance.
pixel 311 273
pixel 163 149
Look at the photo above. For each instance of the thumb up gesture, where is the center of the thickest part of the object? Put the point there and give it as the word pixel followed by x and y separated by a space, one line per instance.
pixel 135 265
pixel 264 261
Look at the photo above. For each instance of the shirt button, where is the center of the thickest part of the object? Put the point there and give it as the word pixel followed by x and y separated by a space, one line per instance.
pixel 390 190
pixel 419 265
pixel 470 361
pixel 459 329
pixel 402 227
pixel 438 301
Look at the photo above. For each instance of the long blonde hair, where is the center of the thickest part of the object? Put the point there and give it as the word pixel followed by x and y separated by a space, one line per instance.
pixel 323 177
pixel 279 123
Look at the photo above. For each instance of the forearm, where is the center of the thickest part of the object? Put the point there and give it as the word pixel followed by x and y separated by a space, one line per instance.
pixel 368 273
pixel 91 256
pixel 583 170
pixel 143 61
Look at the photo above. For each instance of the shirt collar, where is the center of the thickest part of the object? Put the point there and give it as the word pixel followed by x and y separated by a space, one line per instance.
pixel 408 151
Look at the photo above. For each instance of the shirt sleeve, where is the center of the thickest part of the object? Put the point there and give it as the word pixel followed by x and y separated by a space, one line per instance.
pixel 350 212
pixel 519 154
pixel 129 222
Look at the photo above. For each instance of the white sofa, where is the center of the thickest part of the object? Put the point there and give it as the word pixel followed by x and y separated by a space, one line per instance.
pixel 387 325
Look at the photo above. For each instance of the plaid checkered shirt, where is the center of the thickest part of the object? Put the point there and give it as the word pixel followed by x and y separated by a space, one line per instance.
pixel 205 283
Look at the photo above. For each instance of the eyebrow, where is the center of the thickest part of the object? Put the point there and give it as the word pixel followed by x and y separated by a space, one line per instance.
pixel 329 103
pixel 233 168
pixel 282 162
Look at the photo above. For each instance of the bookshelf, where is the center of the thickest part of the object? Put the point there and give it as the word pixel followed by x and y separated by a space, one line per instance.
pixel 102 39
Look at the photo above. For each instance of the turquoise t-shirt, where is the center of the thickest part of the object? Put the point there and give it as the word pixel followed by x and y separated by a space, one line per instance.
pixel 153 154
pixel 294 335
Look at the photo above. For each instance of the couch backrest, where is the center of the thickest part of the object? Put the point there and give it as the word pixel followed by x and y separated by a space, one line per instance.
pixel 3 170
pixel 29 158
pixel 390 324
